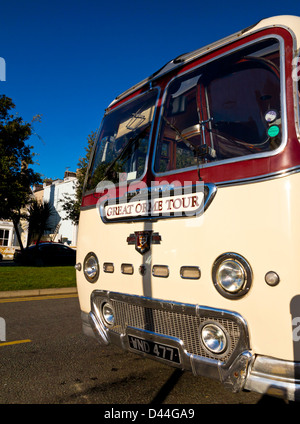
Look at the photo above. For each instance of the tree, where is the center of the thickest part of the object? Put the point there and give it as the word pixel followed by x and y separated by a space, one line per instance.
pixel 70 205
pixel 16 176
pixel 39 215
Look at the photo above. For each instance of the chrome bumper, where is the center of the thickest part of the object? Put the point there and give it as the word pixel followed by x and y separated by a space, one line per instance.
pixel 274 377
pixel 166 323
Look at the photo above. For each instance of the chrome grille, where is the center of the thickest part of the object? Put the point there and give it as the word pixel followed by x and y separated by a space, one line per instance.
pixel 161 320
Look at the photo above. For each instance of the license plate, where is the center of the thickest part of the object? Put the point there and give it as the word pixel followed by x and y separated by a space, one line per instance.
pixel 157 350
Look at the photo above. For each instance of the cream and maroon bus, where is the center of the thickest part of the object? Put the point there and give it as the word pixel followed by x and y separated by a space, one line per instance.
pixel 189 233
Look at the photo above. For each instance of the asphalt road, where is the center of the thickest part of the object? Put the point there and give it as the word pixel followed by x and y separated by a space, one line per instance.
pixel 47 360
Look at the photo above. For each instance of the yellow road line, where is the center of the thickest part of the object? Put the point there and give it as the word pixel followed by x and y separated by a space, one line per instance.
pixel 41 297
pixel 15 342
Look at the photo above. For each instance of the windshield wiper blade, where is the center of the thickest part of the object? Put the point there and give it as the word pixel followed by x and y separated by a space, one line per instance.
pixel 125 148
pixel 199 151
pixel 202 151
pixel 185 140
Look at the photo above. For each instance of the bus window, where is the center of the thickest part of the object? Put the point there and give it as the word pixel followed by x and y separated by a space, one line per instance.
pixel 233 106
pixel 122 146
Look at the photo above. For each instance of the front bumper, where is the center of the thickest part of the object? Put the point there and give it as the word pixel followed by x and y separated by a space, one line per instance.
pixel 176 326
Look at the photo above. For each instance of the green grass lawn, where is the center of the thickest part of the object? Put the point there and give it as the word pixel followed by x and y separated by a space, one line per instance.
pixel 28 278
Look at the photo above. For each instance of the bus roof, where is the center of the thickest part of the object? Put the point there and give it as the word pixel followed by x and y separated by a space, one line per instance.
pixel 287 21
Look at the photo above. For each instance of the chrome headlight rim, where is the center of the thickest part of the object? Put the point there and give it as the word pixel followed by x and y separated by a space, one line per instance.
pixel 213 352
pixel 91 276
pixel 236 260
pixel 109 323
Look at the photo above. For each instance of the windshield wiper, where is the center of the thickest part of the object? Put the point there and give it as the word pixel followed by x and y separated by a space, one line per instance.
pixel 202 151
pixel 130 142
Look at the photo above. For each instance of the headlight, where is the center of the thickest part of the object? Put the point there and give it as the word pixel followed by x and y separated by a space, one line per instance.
pixel 91 267
pixel 232 275
pixel 108 314
pixel 214 338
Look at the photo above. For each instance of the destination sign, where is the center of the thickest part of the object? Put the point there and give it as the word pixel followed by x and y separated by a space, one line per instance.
pixel 158 202
pixel 187 204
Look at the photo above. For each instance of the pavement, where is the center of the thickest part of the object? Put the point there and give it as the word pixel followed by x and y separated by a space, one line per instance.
pixel 37 292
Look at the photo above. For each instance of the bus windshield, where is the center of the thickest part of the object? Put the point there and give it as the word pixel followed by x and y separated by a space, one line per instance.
pixel 232 105
pixel 122 147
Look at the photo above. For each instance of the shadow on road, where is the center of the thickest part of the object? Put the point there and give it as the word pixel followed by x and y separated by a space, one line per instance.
pixel 167 387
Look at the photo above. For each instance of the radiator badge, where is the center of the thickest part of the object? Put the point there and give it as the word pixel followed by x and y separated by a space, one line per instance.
pixel 143 239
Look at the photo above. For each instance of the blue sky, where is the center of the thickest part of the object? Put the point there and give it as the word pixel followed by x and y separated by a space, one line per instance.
pixel 67 60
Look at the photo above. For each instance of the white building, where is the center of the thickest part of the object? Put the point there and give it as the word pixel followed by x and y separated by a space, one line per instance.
pixel 54 193
pixel 65 230
pixel 8 239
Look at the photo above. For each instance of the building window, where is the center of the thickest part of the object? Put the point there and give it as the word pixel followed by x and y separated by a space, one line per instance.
pixel 4 236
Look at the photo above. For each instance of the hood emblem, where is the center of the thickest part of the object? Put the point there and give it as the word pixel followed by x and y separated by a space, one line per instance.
pixel 143 239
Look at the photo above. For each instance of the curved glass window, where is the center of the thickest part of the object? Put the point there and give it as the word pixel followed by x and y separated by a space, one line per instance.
pixel 122 146
pixel 226 109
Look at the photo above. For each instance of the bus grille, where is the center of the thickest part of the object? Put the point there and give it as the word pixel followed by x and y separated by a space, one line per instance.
pixel 183 326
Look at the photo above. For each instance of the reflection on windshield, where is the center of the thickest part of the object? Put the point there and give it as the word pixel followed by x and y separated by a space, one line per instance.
pixel 123 142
